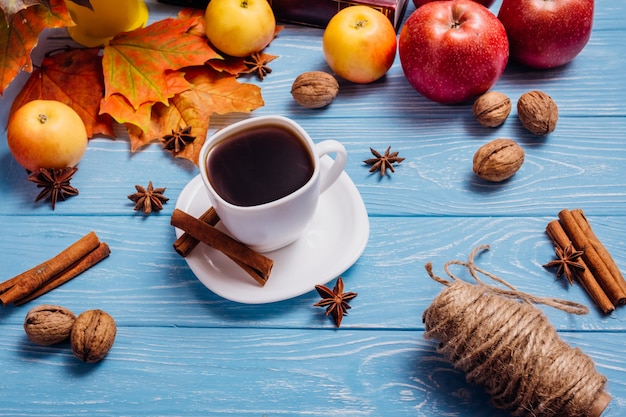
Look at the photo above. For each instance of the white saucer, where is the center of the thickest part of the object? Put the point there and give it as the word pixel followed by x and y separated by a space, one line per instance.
pixel 331 244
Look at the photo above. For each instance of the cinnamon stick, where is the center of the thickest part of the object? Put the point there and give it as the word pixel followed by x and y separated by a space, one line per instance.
pixel 186 243
pixel 602 251
pixel 585 277
pixel 29 281
pixel 6 285
pixel 89 260
pixel 592 259
pixel 256 264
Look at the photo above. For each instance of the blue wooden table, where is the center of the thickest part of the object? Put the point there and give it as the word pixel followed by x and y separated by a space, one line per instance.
pixel 183 350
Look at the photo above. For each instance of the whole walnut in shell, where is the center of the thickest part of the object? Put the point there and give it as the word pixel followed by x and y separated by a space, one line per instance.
pixel 314 89
pixel 48 324
pixel 537 112
pixel 492 108
pixel 93 335
pixel 498 160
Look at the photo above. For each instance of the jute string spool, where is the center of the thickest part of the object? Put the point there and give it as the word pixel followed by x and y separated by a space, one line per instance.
pixel 503 342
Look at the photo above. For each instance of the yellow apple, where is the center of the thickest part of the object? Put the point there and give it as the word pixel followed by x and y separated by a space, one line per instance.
pixel 46 134
pixel 240 27
pixel 359 44
pixel 106 18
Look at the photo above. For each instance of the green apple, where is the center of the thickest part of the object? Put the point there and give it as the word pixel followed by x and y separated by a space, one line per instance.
pixel 240 27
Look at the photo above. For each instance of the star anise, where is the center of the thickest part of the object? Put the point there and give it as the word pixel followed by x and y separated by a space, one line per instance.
pixel 335 300
pixel 566 261
pixel 257 62
pixel 178 140
pixel 55 183
pixel 148 199
pixel 382 162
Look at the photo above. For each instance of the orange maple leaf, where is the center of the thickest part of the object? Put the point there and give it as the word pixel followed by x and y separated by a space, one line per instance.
pixel 73 77
pixel 122 111
pixel 230 64
pixel 221 93
pixel 190 12
pixel 9 7
pixel 212 93
pixel 140 138
pixel 135 63
pixel 199 27
pixel 19 38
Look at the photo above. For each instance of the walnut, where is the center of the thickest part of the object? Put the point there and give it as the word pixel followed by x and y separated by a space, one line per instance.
pixel 93 335
pixel 314 89
pixel 48 324
pixel 537 112
pixel 492 108
pixel 498 160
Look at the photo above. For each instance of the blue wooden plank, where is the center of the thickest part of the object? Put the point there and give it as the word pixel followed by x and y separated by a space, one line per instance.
pixel 580 164
pixel 144 282
pixel 191 371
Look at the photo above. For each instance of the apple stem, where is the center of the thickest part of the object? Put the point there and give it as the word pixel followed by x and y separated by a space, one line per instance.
pixel 42 118
pixel 361 24
pixel 244 4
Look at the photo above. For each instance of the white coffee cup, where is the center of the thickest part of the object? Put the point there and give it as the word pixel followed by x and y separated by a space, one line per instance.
pixel 267 225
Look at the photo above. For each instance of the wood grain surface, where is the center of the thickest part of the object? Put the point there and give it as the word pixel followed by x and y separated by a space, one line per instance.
pixel 182 350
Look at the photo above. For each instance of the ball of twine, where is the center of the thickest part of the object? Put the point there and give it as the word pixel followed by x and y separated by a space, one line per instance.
pixel 502 342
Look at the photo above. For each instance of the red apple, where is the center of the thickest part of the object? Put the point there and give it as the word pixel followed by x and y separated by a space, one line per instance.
pixel 452 51
pixel 485 3
pixel 546 33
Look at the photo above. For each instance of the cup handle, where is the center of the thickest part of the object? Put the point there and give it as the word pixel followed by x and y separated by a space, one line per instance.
pixel 330 174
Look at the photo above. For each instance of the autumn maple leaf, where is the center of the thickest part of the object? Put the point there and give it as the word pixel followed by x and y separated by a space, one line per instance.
pixel 220 93
pixel 73 77
pixel 231 65
pixel 117 106
pixel 198 28
pixel 135 63
pixel 120 109
pixel 11 7
pixel 20 36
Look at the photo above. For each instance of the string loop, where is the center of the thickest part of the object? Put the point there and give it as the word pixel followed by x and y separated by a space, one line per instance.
pixel 512 292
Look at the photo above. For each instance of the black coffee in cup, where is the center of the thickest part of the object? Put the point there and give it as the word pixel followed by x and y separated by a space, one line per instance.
pixel 259 165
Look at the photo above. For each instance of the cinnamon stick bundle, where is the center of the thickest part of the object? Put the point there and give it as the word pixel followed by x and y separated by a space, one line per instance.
pixel 64 266
pixel 255 264
pixel 601 277
pixel 585 277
